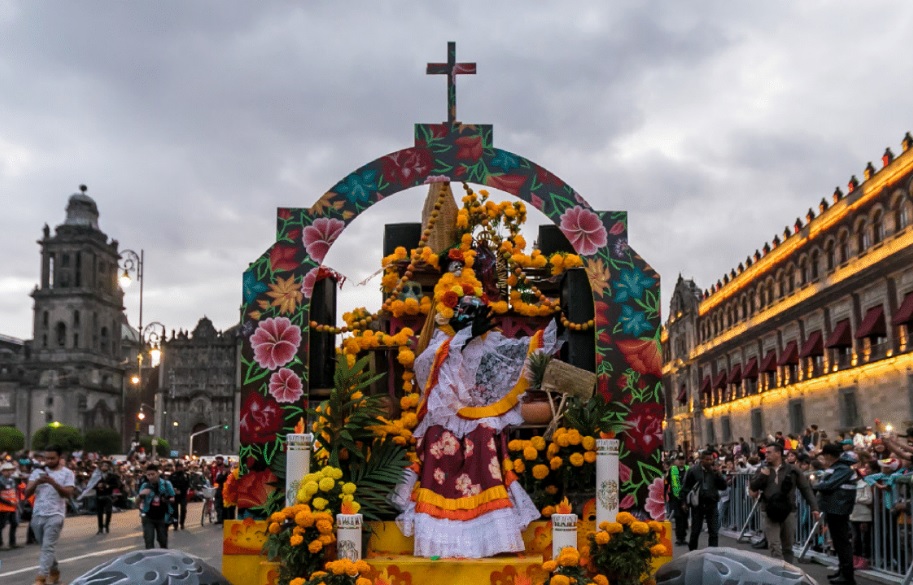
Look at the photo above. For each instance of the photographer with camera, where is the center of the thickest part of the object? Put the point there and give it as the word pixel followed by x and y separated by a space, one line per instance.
pixel 53 484
pixel 777 480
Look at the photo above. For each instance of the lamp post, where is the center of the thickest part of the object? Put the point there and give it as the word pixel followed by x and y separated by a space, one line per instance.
pixel 152 336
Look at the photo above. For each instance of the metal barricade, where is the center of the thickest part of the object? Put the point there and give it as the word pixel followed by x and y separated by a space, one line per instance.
pixel 892 539
pixel 742 512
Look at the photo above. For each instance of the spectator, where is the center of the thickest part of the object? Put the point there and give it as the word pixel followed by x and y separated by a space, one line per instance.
pixel 9 502
pixel 706 476
pixel 777 482
pixel 156 500
pixel 180 481
pixel 861 517
pixel 674 479
pixel 837 496
pixel 52 484
pixel 104 495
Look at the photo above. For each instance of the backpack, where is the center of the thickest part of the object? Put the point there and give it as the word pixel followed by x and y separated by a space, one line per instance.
pixel 778 507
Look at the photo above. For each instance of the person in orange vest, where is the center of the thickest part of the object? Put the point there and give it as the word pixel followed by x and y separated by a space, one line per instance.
pixel 9 502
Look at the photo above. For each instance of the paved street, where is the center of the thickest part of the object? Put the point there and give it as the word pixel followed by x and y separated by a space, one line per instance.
pixel 80 549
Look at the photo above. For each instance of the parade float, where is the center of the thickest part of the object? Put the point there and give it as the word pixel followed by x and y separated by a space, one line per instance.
pixel 496 419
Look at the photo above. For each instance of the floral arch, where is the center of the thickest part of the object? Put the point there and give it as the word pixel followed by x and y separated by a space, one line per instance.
pixel 275 317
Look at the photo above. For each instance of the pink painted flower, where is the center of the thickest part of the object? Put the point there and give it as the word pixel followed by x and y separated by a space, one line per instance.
pixel 320 235
pixel 626 502
pixel 624 473
pixel 465 486
pixel 584 230
pixel 275 342
pixel 285 386
pixel 439 476
pixel 656 503
pixel 308 282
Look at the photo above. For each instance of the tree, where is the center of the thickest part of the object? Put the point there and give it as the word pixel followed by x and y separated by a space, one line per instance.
pixel 64 436
pixel 162 450
pixel 11 440
pixel 104 441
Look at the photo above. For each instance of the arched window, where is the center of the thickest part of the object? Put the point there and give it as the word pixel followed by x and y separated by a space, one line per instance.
pixel 770 291
pixel 843 245
pixel 813 265
pixel 877 228
pixel 61 330
pixel 904 213
pixel 103 339
pixel 803 272
pixel 830 253
pixel 863 241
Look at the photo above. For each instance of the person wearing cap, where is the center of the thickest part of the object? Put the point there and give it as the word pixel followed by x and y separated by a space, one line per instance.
pixel 772 479
pixel 181 483
pixel 836 498
pixel 9 502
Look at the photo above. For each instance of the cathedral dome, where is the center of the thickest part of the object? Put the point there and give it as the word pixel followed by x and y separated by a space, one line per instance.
pixel 82 210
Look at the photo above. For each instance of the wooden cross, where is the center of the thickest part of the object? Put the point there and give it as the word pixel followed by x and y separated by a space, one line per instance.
pixel 451 68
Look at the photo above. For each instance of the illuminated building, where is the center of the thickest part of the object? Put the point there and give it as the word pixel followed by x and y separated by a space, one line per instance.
pixel 814 328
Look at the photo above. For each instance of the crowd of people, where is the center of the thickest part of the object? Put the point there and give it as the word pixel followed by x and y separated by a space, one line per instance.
pixel 841 478
pixel 39 489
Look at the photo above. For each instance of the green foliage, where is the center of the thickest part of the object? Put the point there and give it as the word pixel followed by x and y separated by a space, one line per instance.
pixel 346 417
pixel 536 364
pixel 104 441
pixel 64 436
pixel 595 416
pixel 376 476
pixel 162 449
pixel 623 550
pixel 11 440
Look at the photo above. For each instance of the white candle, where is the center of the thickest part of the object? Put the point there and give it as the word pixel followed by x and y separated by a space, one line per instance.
pixel 564 532
pixel 297 463
pixel 607 493
pixel 348 536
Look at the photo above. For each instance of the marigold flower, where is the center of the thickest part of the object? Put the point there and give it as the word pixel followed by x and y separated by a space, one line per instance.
pixel 519 466
pixel 655 526
pixel 315 546
pixel 348 488
pixel 538 443
pixel 615 527
pixel 552 450
pixel 540 471
pixel 319 503
pixel 555 463
pixel 326 484
pixel 530 454
pixel 324 527
pixel 551 490
pixel 602 537
pixel 515 445
pixel 296 540
pixel 576 459
pixel 600 580
pixel 274 528
pixel 589 443
pixel 590 456
pixel 624 518
pixel 297 581
pixel 574 437
pixel 640 528
pixel 548 511
pixel 559 580
pixel 304 519
pixel 658 550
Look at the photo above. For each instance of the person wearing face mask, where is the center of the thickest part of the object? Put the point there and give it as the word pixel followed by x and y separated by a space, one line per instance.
pixel 473 381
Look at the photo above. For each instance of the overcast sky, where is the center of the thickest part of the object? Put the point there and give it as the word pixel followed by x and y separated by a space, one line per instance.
pixel 714 124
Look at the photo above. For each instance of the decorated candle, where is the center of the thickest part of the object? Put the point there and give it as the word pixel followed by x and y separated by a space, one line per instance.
pixel 298 463
pixel 564 528
pixel 348 536
pixel 606 480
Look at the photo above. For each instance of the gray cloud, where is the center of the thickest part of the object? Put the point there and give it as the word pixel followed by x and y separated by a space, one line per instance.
pixel 714 125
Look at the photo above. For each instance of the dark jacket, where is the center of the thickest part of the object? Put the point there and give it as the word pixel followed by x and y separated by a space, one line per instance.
pixel 180 481
pixel 837 488
pixel 770 484
pixel 711 483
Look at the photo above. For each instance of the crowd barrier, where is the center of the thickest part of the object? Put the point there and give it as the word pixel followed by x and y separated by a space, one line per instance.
pixel 889 549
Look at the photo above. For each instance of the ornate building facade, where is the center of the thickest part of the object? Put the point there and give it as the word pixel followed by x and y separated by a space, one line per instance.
pixel 814 328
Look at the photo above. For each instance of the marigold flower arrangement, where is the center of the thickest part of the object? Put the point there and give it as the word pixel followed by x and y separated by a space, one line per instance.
pixel 326 491
pixel 572 457
pixel 569 567
pixel 338 572
pixel 296 537
pixel 622 551
pixel 529 462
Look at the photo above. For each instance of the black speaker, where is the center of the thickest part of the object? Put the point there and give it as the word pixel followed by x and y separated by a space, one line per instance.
pixel 577 304
pixel 322 350
pixel 551 240
pixel 406 235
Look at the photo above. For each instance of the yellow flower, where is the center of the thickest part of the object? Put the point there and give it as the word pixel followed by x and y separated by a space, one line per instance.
pixel 304 519
pixel 274 528
pixel 315 546
pixel 600 580
pixel 324 527
pixel 538 443
pixel 590 456
pixel 562 440
pixel 640 528
pixel 519 466
pixel 624 518
pixel 540 471
pixel 549 566
pixel 552 450
pixel 615 527
pixel 296 540
pixel 555 463
pixel 285 294
pixel 348 488
pixel 297 581
pixel 277 517
pixel 559 580
pixel 658 550
pixel 598 274
pixel 602 537
pixel 655 526
pixel 326 484
pixel 576 459
pixel 530 454
pixel 589 443
pixel 574 437
pixel 319 503
pixel 362 566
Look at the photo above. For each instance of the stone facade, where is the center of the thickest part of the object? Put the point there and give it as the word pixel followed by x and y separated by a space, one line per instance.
pixel 812 329
pixel 199 386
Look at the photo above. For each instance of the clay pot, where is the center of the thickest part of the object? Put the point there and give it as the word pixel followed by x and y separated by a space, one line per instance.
pixel 535 408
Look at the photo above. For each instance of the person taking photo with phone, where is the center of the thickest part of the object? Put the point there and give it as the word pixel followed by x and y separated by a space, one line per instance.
pixel 53 485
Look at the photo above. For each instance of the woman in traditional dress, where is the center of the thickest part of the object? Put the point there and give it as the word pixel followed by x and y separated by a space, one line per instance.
pixel 460 500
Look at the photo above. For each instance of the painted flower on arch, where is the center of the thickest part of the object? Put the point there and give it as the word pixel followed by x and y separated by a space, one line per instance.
pixel 405 166
pixel 633 322
pixel 584 230
pixel 275 342
pixel 645 435
pixel 656 502
pixel 286 294
pixel 285 386
pixel 631 284
pixel 320 235
pixel 261 419
pixel 308 282
pixel 598 273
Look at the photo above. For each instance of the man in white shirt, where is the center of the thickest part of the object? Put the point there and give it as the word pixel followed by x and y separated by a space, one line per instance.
pixel 53 485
